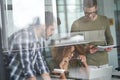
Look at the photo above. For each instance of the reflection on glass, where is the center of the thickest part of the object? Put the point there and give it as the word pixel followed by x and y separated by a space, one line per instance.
pixel 24 14
pixel 79 38
pixel 25 10
pixel 70 39
pixel 68 11
pixel 34 35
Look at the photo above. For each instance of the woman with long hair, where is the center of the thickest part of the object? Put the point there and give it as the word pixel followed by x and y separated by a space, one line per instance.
pixel 63 55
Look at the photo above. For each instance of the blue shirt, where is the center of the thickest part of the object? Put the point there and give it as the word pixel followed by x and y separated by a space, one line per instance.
pixel 25 54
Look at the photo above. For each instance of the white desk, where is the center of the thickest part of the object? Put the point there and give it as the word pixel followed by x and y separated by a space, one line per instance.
pixel 92 74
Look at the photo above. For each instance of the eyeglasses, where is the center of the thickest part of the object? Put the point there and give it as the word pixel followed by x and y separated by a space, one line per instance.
pixel 90 13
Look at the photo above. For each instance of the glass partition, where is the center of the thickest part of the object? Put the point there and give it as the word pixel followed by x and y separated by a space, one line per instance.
pixel 83 37
pixel 25 18
pixel 21 14
pixel 117 24
pixel 68 11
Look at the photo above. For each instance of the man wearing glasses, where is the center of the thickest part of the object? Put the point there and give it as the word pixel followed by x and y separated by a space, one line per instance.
pixel 98 26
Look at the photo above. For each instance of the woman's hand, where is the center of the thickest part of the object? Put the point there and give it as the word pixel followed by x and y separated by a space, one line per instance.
pixel 83 60
pixel 64 63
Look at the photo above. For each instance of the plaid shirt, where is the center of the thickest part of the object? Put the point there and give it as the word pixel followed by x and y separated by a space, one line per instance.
pixel 25 55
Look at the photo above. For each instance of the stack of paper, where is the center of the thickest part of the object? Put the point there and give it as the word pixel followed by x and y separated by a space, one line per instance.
pixel 92 74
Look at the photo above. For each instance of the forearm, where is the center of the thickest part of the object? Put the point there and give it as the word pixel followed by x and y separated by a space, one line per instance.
pixel 32 78
pixel 46 76
pixel 62 76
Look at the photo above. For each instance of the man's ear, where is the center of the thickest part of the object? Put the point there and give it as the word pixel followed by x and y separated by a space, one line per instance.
pixel 42 27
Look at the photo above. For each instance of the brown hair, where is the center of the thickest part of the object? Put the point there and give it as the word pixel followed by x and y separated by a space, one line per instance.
pixel 62 51
pixel 89 3
pixel 59 52
pixel 80 49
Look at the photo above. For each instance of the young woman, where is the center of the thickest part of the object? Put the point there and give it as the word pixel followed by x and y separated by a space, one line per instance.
pixel 62 56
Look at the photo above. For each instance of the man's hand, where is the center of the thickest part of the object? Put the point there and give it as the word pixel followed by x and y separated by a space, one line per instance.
pixel 108 49
pixel 46 76
pixel 32 78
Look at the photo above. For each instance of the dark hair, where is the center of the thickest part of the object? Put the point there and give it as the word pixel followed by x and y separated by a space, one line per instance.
pixel 49 18
pixel 60 52
pixel 89 3
pixel 36 21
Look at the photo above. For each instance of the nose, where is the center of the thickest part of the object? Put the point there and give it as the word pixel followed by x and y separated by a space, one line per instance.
pixel 90 15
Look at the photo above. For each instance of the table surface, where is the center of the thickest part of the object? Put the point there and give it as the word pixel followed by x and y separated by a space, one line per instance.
pixel 98 73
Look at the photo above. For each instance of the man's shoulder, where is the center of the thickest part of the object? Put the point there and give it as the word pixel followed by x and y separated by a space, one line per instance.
pixel 103 17
pixel 23 34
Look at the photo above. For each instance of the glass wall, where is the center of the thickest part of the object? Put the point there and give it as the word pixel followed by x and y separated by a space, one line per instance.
pixel 20 14
pixel 68 11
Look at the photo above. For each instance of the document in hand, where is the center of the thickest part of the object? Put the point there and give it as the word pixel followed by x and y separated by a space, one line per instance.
pixel 102 48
